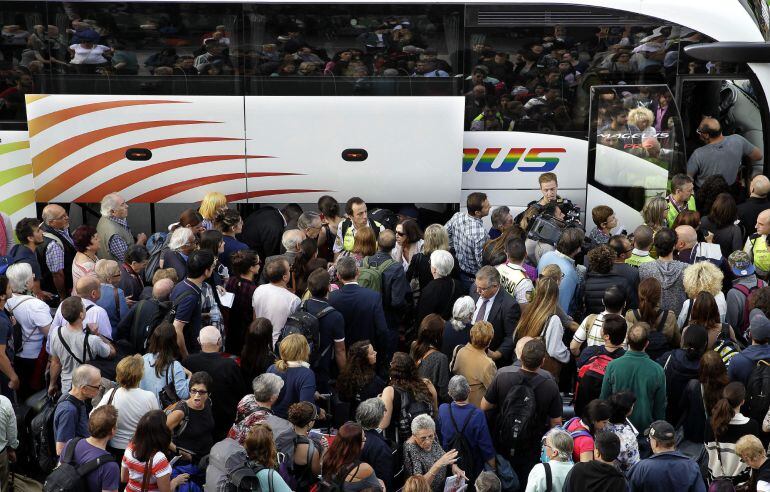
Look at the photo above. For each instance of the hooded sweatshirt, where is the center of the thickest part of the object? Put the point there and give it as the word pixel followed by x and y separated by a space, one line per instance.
pixel 742 364
pixel 595 476
pixel 679 370
pixel 669 274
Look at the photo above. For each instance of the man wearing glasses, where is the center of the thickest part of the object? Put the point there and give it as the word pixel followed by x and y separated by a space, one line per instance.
pixel 71 415
pixel 58 250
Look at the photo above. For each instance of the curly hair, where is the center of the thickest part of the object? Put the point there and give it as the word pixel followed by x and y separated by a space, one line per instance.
pixel 357 373
pixel 403 374
pixel 601 258
pixel 760 299
pixel 706 194
pixel 703 276
pixel 227 220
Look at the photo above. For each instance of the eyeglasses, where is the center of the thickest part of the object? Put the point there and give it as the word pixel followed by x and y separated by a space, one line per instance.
pixel 400 233
pixel 426 438
pixel 199 392
pixel 96 387
pixel 484 289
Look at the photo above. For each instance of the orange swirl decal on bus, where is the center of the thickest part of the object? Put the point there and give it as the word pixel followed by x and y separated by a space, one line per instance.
pixel 65 148
pixel 234 197
pixel 41 123
pixel 171 190
pixel 85 169
pixel 123 181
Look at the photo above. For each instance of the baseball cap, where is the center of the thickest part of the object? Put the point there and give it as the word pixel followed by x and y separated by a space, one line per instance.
pixel 660 430
pixel 759 326
pixel 740 263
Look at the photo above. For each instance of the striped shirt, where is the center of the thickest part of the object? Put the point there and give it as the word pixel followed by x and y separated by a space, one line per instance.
pixel 160 468
pixel 467 236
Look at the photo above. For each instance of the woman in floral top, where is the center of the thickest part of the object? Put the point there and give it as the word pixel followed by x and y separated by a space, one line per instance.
pixel 622 405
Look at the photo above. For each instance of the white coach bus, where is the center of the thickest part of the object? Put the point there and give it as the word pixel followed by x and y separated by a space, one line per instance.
pixel 398 102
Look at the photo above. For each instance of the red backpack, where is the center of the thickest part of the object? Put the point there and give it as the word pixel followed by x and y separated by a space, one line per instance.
pixel 746 293
pixel 589 381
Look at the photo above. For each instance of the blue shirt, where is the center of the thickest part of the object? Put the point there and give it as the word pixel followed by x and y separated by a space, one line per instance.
pixel 569 281
pixel 6 334
pixel 331 327
pixel 299 385
pixel 476 431
pixel 231 246
pixel 665 472
pixel 22 254
pixel 378 454
pixel 70 419
pixel 188 310
pixel 742 364
pixel 155 384
pixel 107 301
pixel 107 476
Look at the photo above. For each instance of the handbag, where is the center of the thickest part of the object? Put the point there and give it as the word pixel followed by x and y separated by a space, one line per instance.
pixel 549 363
pixel 168 396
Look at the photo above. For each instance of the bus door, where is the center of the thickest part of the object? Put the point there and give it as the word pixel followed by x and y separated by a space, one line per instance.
pixel 635 146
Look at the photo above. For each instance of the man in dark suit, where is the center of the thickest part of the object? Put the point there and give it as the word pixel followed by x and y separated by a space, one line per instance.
pixel 263 228
pixel 496 306
pixel 361 308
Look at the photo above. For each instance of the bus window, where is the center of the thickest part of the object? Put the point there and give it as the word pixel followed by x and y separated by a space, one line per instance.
pixel 636 144
pixel 536 76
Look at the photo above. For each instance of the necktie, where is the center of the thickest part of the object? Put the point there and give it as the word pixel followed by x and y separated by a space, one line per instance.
pixel 482 311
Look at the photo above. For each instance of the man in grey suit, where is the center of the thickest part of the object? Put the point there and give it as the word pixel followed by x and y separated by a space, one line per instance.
pixel 496 306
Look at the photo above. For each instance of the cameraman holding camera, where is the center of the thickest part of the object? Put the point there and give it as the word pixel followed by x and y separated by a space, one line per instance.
pixel 545 219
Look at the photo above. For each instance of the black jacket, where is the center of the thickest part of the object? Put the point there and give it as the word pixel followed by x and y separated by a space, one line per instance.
pixel 143 316
pixel 46 283
pixel 596 284
pixel 262 231
pixel 504 316
pixel 594 476
pixel 439 297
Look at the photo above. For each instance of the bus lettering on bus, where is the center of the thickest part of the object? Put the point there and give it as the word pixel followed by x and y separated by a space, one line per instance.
pixel 538 163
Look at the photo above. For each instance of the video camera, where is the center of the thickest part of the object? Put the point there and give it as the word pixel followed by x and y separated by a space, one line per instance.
pixel 546 227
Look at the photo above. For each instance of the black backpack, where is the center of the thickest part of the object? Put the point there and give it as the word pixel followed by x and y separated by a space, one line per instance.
pixel 386 217
pixel 410 408
pixel 658 343
pixel 148 314
pixel 758 391
pixel 518 425
pixel 43 439
pixel 18 331
pixel 337 483
pixel 159 242
pixel 69 476
pixel 307 325
pixel 465 459
pixel 241 475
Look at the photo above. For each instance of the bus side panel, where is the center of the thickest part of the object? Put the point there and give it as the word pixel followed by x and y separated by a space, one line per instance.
pixel 17 191
pixel 79 147
pixel 412 145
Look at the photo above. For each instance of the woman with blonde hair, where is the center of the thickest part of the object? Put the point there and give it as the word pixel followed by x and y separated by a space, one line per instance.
pixel 643 119
pixel 419 272
pixel 416 483
pixel 541 321
pixel 212 203
pixel 471 360
pixel 131 402
pixel 655 213
pixel 554 272
pixel 700 277
pixel 294 368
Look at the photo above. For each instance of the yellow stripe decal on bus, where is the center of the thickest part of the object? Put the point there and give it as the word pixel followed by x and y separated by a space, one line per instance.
pixel 15 172
pixel 13 146
pixel 17 202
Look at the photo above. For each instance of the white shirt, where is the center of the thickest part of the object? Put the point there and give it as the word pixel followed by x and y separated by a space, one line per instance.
pixel 276 304
pixel 32 314
pixel 131 404
pixel 522 290
pixel 554 344
pixel 559 471
pixel 75 341
pixel 95 316
pixel 89 56
pixel 721 306
pixel 479 302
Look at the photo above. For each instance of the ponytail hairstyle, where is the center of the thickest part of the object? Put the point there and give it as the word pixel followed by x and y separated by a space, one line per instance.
pixel 733 396
pixel 695 341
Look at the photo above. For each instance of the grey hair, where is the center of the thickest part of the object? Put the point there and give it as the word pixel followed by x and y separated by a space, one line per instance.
pixel 489 273
pixel 443 262
pixel 370 413
pixel 291 239
pixel 82 375
pixel 462 312
pixel 307 219
pixel 487 481
pixel 346 267
pixel 561 442
pixel 459 389
pixel 105 269
pixel 109 203
pixel 19 274
pixel 422 422
pixel 499 216
pixel 266 386
pixel 179 238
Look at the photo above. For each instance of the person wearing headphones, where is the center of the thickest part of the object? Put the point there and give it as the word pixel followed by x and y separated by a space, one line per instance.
pixel 721 155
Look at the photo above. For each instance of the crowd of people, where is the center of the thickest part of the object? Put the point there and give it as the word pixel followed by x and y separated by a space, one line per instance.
pixel 350 349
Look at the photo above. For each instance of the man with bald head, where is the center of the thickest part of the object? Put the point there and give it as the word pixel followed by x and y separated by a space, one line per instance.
pixel 516 366
pixel 96 320
pixel 757 245
pixel 757 202
pixel 721 154
pixel 689 250
pixel 134 330
pixel 57 252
